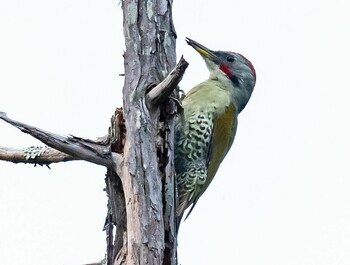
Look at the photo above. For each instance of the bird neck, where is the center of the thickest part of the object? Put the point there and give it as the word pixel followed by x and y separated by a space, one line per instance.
pixel 239 96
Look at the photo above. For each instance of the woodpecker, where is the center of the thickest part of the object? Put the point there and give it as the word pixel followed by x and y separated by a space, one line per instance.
pixel 205 129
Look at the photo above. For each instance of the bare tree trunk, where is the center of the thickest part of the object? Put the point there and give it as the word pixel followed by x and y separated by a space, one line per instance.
pixel 149 56
pixel 138 151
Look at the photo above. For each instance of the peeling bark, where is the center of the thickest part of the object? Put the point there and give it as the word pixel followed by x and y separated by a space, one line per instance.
pixel 149 56
pixel 138 151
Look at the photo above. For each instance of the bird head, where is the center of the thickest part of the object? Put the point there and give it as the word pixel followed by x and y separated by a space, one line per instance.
pixel 230 66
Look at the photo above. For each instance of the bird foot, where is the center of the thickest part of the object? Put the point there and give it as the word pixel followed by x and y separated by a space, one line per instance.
pixel 182 94
pixel 178 103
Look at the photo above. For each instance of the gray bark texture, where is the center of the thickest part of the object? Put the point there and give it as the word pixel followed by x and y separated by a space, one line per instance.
pixel 148 150
pixel 138 151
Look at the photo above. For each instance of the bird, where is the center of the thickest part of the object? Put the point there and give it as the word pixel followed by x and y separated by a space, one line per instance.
pixel 206 126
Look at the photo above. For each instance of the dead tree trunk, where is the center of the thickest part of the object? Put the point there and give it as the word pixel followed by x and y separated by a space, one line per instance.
pixel 150 53
pixel 149 57
pixel 138 151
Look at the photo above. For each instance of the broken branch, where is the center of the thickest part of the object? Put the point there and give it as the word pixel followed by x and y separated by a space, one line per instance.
pixel 162 91
pixel 76 147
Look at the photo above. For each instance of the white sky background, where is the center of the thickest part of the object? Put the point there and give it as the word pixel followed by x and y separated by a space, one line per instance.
pixel 282 194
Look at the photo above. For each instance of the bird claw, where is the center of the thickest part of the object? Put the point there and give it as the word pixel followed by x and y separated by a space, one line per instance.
pixel 178 103
pixel 182 94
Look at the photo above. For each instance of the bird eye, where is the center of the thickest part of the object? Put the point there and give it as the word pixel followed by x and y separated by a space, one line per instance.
pixel 230 58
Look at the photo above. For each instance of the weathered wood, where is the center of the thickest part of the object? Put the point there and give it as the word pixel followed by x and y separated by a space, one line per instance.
pixel 162 91
pixel 79 148
pixel 149 56
pixel 47 157
pixel 138 151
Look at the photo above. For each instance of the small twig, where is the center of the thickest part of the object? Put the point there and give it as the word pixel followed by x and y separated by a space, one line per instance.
pixel 102 262
pixel 109 239
pixel 162 91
